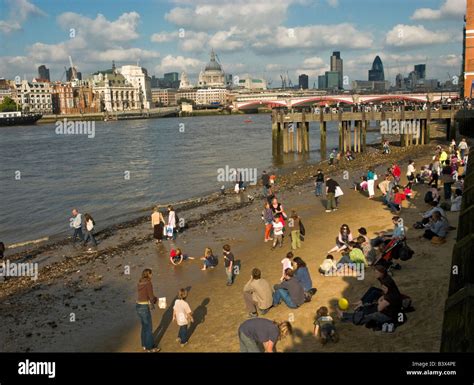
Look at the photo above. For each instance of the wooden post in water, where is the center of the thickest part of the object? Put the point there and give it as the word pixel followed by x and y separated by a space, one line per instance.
pixel 298 137
pixel 341 136
pixel 306 136
pixel 275 133
pixel 285 138
pixel 322 131
pixel 364 134
pixel 292 127
pixel 349 139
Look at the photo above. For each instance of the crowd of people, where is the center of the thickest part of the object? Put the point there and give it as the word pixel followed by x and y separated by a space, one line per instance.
pixel 382 308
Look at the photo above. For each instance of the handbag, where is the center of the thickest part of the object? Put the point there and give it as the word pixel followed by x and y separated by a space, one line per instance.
pixel 338 192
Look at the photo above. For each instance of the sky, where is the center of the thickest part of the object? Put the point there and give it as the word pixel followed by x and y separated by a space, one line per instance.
pixel 264 38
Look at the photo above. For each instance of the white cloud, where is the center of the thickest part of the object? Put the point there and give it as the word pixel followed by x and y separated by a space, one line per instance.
pixel 20 11
pixel 178 63
pixel 333 3
pixel 164 37
pixel 218 15
pixel 315 36
pixel 100 29
pixel 417 35
pixel 451 9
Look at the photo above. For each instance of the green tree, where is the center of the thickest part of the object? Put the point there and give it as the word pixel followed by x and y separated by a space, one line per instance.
pixel 8 105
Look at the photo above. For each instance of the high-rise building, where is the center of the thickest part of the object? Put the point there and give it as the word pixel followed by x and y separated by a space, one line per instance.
pixel 303 81
pixel 376 74
pixel 171 77
pixel 332 80
pixel 43 73
pixel 420 70
pixel 322 84
pixel 399 81
pixel 337 66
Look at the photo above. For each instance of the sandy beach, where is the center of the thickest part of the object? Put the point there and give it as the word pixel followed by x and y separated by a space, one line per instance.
pixel 85 302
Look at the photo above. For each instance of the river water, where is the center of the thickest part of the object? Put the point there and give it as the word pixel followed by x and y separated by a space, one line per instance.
pixel 127 167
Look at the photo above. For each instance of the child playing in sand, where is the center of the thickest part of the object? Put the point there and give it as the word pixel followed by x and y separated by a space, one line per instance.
pixel 287 264
pixel 328 266
pixel 176 256
pixel 324 326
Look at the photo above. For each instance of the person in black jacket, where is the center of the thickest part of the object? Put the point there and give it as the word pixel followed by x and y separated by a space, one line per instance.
pixel 319 183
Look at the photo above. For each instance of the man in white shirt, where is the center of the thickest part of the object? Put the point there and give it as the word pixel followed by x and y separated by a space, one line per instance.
pixel 76 224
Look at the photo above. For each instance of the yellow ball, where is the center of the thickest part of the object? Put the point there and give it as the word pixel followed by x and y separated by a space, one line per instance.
pixel 343 303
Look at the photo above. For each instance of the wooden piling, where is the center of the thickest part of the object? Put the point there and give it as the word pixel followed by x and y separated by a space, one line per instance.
pixel 322 130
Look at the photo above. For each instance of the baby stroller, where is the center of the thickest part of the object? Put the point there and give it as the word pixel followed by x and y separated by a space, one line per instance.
pixel 396 248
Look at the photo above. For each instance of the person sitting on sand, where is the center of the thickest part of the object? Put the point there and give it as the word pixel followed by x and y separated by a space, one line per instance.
pixel 385 237
pixel 328 266
pixel 344 237
pixel 456 200
pixel 258 294
pixel 303 277
pixel 286 264
pixel 369 252
pixel 210 260
pixel 436 229
pixel 428 214
pixel 386 310
pixel 290 291
pixel 395 205
pixel 353 255
pixel 324 327
pixel 176 256
pixel 259 335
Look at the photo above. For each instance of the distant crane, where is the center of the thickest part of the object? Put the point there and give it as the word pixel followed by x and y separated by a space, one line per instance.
pixel 73 70
pixel 283 82
pixel 290 84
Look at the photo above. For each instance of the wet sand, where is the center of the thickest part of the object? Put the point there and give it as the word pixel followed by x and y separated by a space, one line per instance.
pixel 94 293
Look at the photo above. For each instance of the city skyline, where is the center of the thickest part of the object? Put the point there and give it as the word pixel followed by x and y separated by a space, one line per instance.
pixel 265 40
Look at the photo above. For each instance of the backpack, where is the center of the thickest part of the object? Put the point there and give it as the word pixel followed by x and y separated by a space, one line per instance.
pixel 429 197
pixel 405 253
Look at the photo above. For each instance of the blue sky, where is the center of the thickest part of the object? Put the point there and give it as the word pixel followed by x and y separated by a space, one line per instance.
pixel 263 38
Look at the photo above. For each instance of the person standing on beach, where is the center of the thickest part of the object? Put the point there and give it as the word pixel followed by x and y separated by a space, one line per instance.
pixel 319 183
pixel 447 179
pixel 294 223
pixel 146 298
pixel 411 171
pixel 331 185
pixel 158 224
pixel 267 216
pixel 89 228
pixel 371 183
pixel 463 148
pixel 183 316
pixel 258 294
pixel 260 335
pixel 228 264
pixel 277 232
pixel 265 183
pixel 171 223
pixel 76 223
pixel 396 172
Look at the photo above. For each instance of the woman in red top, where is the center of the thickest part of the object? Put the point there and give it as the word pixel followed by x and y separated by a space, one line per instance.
pixel 398 198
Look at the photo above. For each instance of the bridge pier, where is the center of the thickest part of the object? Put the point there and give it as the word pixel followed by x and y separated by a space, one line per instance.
pixel 323 146
pixel 450 129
